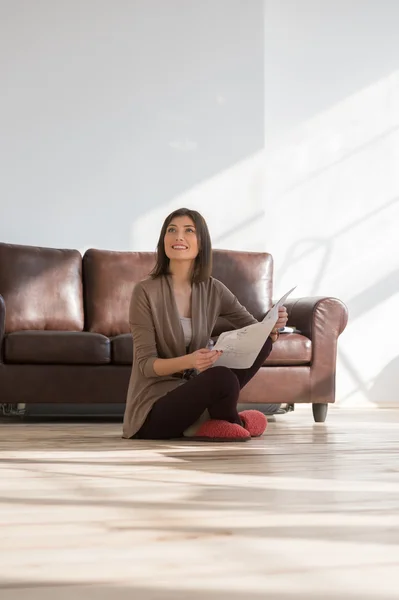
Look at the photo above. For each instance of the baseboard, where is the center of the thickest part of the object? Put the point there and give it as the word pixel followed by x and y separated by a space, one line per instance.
pixel 65 411
pixel 96 412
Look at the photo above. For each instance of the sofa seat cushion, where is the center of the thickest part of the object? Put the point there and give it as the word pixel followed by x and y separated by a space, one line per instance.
pixel 290 349
pixel 57 347
pixel 122 349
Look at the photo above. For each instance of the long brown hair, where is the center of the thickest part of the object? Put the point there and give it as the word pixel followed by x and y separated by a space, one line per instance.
pixel 203 262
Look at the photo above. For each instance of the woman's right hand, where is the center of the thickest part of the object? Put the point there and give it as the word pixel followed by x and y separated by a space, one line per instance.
pixel 203 359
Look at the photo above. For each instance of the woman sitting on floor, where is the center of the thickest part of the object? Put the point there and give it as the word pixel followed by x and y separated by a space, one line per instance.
pixel 173 390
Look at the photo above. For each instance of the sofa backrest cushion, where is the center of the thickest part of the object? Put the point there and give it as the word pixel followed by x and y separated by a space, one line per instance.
pixel 42 288
pixel 109 278
pixel 249 275
pixel 108 281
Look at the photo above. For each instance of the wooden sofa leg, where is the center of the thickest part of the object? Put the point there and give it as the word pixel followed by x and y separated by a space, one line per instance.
pixel 320 412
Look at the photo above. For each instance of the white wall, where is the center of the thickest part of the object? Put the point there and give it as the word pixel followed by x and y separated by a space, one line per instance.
pixel 279 120
pixel 110 109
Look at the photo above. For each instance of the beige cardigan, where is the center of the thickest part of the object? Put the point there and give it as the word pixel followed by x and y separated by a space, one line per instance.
pixel 158 333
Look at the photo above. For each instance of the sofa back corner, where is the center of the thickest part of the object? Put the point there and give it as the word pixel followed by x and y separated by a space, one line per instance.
pixel 41 287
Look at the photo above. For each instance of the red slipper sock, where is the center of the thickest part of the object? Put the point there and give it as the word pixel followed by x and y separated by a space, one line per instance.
pixel 215 430
pixel 254 422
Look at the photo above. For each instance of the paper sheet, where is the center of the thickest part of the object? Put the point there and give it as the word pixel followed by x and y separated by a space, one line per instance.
pixel 242 346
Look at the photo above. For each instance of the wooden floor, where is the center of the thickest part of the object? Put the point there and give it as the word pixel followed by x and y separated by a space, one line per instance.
pixel 306 512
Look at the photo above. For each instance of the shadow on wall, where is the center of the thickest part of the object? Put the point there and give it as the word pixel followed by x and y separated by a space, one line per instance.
pixel 320 251
pixel 355 206
pixel 323 247
pixel 384 389
pixel 332 139
pixel 384 392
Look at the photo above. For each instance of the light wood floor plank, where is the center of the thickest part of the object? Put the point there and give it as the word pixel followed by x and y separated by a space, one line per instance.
pixel 308 511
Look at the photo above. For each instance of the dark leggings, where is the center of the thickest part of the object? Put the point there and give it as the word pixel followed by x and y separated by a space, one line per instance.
pixel 216 389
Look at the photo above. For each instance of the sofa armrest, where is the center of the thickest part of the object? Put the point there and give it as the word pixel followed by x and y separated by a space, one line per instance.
pixel 322 320
pixel 317 316
pixel 2 325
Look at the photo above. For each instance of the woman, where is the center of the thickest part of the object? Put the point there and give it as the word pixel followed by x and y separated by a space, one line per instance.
pixel 173 390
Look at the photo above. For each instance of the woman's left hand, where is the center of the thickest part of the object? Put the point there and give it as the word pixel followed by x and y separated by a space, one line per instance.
pixel 281 321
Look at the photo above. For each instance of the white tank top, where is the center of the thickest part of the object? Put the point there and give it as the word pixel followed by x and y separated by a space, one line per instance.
pixel 187 330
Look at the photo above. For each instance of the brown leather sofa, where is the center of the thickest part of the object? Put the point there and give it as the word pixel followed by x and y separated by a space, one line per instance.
pixel 64 333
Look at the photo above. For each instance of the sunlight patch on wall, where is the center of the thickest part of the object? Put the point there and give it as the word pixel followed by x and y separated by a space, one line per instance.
pixel 335 180
pixel 231 202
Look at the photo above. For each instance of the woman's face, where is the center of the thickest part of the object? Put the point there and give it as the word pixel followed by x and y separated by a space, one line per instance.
pixel 180 239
